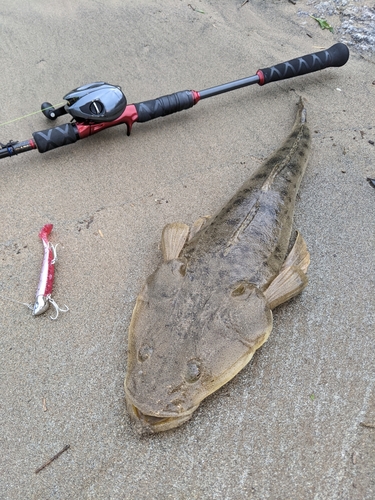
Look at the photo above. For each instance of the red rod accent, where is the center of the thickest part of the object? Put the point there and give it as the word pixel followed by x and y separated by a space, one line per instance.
pixel 261 76
pixel 196 96
pixel 129 116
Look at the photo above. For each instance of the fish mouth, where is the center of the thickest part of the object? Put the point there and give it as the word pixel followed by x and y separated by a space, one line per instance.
pixel 150 419
pixel 146 423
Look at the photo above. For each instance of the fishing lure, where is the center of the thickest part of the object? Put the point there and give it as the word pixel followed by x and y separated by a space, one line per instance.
pixel 44 291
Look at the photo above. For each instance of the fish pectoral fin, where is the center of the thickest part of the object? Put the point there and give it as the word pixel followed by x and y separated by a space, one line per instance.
pixel 173 239
pixel 299 256
pixel 197 226
pixel 289 283
pixel 292 278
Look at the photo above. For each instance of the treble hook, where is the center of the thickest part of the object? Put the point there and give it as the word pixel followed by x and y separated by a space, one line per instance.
pixel 57 308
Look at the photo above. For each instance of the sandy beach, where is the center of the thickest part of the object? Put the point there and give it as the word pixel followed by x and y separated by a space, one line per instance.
pixel 299 421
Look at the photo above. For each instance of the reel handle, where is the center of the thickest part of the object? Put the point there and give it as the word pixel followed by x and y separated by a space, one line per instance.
pixel 50 112
pixel 337 55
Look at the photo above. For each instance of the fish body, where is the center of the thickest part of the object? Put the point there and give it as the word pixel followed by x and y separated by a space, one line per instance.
pixel 207 308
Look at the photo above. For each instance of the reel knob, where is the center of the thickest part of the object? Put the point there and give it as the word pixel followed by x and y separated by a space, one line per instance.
pixel 49 111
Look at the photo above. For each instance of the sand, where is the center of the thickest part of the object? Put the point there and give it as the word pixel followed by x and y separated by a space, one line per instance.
pixel 289 426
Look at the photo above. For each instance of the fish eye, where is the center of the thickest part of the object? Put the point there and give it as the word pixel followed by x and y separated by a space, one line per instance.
pixel 144 352
pixel 193 371
pixel 182 270
pixel 239 290
pixel 180 266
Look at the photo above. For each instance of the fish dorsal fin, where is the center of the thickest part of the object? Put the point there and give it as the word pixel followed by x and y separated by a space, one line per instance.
pixel 292 278
pixel 173 239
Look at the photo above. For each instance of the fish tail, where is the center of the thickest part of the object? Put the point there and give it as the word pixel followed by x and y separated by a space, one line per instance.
pixel 289 161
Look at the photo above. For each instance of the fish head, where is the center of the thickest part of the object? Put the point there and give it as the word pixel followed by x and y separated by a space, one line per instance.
pixel 186 341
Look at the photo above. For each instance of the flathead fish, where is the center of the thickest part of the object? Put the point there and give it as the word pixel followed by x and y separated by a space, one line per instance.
pixel 208 307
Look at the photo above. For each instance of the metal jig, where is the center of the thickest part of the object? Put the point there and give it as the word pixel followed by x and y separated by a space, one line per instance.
pixel 44 291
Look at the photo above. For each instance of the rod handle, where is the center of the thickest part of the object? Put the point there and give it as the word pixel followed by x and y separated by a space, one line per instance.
pixel 165 105
pixel 52 138
pixel 337 55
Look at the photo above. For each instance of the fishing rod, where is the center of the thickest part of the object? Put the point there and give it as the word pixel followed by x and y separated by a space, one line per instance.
pixel 100 105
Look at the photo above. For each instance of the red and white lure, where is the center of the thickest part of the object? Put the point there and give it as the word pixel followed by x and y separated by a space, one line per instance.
pixel 44 291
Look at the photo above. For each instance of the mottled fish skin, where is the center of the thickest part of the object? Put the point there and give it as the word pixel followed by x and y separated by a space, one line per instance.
pixel 201 316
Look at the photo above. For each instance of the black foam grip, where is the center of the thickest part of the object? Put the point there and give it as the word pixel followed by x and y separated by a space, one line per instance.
pixel 165 105
pixel 55 137
pixel 337 55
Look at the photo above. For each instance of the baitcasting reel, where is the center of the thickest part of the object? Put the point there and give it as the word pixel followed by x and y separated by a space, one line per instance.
pixel 94 102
